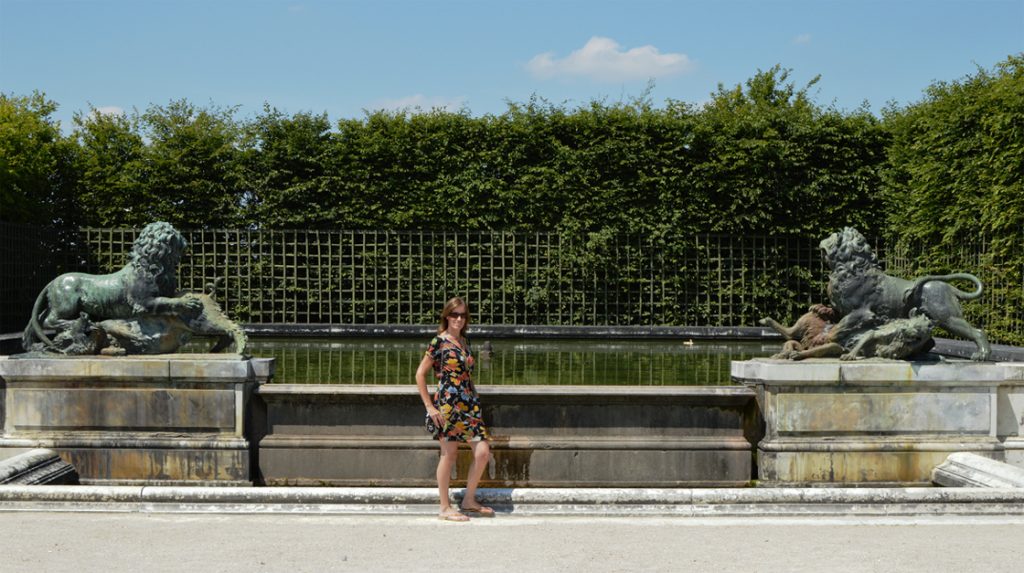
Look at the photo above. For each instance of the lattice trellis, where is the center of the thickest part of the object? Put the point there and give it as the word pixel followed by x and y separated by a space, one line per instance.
pixel 404 277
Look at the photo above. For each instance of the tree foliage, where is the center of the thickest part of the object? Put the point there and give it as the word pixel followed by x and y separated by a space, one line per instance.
pixel 111 164
pixel 954 183
pixel 760 157
pixel 956 160
pixel 36 174
pixel 767 158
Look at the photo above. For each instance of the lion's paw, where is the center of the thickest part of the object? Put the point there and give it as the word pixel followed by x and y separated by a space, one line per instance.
pixel 192 305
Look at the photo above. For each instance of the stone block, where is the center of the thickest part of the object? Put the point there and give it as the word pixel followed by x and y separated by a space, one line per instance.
pixel 136 408
pixel 1010 408
pixel 96 369
pixel 850 467
pixel 231 368
pixel 883 412
pixel 964 469
pixel 181 465
pixel 37 467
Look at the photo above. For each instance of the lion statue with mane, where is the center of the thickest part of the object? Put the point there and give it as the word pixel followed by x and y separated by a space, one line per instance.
pixel 136 310
pixel 860 292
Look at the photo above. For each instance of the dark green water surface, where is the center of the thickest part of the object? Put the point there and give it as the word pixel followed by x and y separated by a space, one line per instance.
pixel 513 361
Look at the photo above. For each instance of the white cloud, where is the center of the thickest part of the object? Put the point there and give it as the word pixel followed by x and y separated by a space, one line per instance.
pixel 802 39
pixel 604 59
pixel 108 110
pixel 420 101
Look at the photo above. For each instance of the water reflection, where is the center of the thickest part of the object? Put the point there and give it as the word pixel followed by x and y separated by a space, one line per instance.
pixel 513 361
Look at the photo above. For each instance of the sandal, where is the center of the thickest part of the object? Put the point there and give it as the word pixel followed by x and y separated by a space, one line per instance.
pixel 452 514
pixel 478 511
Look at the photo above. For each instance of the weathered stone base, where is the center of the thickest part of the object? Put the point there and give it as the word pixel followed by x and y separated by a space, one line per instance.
pixel 878 421
pixel 175 419
pixel 542 437
pixel 850 462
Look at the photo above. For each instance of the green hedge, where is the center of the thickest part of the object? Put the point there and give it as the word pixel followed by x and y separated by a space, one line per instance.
pixel 757 158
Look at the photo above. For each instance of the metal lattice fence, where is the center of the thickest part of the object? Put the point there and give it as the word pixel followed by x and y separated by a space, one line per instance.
pixel 387 277
pixel 404 277
pixel 999 265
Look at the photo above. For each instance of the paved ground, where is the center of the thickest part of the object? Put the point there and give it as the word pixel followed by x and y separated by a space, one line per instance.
pixel 112 542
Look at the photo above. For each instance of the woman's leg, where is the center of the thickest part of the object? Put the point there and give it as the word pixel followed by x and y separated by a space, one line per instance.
pixel 449 450
pixel 481 455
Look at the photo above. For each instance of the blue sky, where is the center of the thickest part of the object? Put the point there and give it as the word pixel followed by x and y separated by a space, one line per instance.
pixel 344 57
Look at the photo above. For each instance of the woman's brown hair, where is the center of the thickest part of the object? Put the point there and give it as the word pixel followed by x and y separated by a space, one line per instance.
pixel 450 306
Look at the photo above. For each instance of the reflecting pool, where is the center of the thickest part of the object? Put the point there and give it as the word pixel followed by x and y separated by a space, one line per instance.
pixel 653 362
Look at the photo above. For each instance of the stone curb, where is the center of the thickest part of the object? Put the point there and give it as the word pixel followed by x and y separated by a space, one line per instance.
pixel 791 502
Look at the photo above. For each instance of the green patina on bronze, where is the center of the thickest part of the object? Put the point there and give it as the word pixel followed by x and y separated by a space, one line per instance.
pixel 878 314
pixel 136 310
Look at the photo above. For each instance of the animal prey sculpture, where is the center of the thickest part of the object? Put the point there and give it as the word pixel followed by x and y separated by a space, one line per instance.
pixel 868 337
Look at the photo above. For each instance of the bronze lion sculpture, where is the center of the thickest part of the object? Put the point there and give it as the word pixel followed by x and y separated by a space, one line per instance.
pixel 860 292
pixel 137 309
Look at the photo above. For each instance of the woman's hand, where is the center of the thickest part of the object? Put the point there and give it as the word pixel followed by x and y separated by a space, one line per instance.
pixel 436 416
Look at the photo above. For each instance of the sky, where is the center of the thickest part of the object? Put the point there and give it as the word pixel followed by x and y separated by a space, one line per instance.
pixel 346 57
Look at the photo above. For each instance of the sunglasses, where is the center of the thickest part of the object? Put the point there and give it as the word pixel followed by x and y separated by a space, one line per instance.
pixel 458 315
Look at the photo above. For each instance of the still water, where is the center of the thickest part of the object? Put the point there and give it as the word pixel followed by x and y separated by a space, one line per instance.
pixel 513 361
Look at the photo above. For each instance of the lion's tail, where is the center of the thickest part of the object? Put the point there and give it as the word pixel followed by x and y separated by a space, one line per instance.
pixel 34 330
pixel 914 291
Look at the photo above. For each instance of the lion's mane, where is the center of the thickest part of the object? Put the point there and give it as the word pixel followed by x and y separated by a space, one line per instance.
pixel 851 256
pixel 154 258
pixel 856 273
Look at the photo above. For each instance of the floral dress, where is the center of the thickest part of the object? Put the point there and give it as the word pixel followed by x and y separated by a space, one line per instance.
pixel 456 397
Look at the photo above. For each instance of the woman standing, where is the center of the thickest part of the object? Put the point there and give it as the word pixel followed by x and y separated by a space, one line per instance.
pixel 453 413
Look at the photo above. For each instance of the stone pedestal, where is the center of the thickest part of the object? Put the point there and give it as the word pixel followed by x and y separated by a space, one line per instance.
pixel 171 419
pixel 879 421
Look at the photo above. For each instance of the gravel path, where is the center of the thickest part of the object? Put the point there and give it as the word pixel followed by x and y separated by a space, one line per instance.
pixel 112 542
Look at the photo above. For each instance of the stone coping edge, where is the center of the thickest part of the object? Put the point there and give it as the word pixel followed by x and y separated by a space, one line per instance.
pixel 515 331
pixel 525 501
pixel 732 392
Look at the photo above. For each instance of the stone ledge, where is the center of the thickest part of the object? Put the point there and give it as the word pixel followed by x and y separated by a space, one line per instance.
pixel 681 502
pixel 894 444
pixel 543 393
pixel 155 441
pixel 207 368
pixel 875 371
pixel 498 443
pixel 515 331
